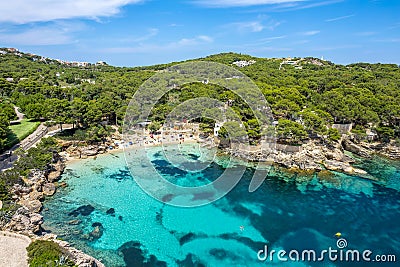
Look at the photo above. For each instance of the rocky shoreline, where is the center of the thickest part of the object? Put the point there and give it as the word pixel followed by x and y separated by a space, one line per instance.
pixel 316 157
pixel 313 156
pixel 27 220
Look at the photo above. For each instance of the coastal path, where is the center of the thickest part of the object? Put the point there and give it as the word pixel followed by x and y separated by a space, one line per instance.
pixel 13 249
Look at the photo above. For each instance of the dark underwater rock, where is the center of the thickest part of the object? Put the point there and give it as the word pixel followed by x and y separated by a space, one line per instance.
pixel 134 256
pixel 84 210
pixel 110 212
pixel 187 238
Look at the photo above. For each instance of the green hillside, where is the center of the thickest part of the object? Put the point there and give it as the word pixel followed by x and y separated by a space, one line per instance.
pixel 306 95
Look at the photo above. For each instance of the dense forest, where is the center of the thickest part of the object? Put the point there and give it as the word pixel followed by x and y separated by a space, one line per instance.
pixel 306 97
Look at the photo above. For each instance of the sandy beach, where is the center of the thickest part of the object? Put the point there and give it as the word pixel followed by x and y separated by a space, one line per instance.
pixel 138 142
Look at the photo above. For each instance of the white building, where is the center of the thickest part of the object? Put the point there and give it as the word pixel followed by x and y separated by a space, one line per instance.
pixel 217 127
pixel 244 63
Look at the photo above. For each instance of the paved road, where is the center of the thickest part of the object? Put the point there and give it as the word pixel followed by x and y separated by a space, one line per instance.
pixel 8 157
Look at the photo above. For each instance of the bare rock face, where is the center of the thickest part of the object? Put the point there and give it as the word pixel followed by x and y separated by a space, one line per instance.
pixel 35 177
pixel 90 152
pixel 53 176
pixel 334 165
pixel 25 222
pixel 19 190
pixel 391 151
pixel 32 205
pixel 56 173
pixel 36 219
pixel 356 149
pixel 345 167
pixel 35 195
pixel 49 189
pixel 86 151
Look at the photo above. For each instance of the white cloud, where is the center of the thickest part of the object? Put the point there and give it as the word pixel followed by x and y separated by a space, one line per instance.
pixel 309 33
pixel 152 32
pixel 205 38
pixel 149 34
pixel 306 5
pixel 274 38
pixel 172 46
pixel 174 25
pixel 26 11
pixel 192 41
pixel 241 3
pixel 388 40
pixel 253 26
pixel 340 18
pixel 55 34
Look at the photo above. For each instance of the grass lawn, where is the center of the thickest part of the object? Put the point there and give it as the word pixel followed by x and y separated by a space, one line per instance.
pixel 20 131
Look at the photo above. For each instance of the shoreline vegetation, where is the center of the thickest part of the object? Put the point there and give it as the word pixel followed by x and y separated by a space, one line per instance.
pixel 322 111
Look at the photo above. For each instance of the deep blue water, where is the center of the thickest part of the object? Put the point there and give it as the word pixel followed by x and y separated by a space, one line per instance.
pixel 288 211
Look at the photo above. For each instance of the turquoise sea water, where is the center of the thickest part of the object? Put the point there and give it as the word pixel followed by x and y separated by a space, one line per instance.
pixel 287 212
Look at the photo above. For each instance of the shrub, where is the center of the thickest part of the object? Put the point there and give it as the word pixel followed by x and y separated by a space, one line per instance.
pixel 333 134
pixel 47 253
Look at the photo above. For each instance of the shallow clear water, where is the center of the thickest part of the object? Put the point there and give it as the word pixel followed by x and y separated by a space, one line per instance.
pixel 287 212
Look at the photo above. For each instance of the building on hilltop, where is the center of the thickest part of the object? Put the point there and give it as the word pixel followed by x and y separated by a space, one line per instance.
pixel 12 50
pixel 291 62
pixel 244 63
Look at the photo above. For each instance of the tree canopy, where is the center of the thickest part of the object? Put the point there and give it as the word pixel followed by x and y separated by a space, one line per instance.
pixel 305 101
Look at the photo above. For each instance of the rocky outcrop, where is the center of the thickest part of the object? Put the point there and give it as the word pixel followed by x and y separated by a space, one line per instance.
pixel 97 232
pixel 49 189
pixel 18 191
pixel 39 185
pixel 25 221
pixel 81 259
pixel 345 167
pixel 356 149
pixel 310 157
pixel 56 172
pixel 32 205
pixel 86 151
pixel 392 152
pixel 389 150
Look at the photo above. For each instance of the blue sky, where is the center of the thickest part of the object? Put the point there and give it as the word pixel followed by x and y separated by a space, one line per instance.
pixel 145 32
